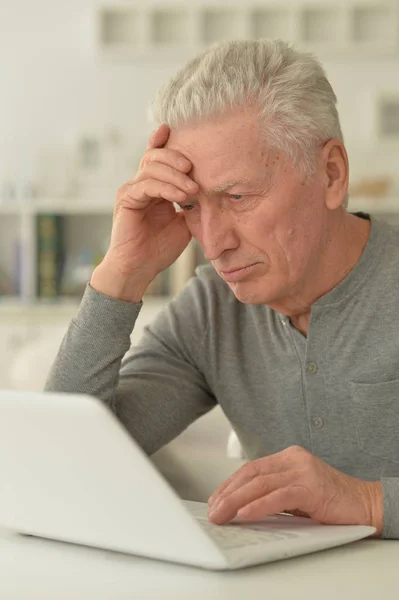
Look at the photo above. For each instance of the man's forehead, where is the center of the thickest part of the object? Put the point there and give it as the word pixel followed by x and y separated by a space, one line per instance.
pixel 218 135
pixel 217 168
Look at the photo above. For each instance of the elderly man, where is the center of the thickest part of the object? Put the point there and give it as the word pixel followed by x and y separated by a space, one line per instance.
pixel 293 327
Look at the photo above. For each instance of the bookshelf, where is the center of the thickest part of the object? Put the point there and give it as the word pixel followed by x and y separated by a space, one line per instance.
pixel 362 28
pixel 85 235
pixel 48 251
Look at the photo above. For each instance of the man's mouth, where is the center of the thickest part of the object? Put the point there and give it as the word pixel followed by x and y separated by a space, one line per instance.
pixel 232 275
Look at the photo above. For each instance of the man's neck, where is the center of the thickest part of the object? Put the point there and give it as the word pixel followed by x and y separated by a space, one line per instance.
pixel 349 238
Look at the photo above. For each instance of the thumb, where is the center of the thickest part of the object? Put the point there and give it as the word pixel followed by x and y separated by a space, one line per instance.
pixel 159 137
pixel 178 231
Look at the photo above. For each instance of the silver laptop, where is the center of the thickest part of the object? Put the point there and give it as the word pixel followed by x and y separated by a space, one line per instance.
pixel 70 471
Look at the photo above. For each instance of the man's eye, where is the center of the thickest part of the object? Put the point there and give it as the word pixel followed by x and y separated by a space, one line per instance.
pixel 236 196
pixel 188 207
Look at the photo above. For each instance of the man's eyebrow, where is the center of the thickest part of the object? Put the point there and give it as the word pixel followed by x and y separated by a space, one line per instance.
pixel 225 186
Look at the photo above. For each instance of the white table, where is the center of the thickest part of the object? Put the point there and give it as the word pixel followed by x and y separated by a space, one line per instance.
pixel 35 569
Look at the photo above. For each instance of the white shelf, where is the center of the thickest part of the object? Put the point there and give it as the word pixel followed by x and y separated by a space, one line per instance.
pixel 65 206
pixel 69 207
pixel 352 27
pixel 11 211
pixel 14 306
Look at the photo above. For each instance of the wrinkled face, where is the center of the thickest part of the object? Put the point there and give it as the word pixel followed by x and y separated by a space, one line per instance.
pixel 256 218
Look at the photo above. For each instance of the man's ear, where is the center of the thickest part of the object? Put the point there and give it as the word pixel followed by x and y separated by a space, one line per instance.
pixel 336 172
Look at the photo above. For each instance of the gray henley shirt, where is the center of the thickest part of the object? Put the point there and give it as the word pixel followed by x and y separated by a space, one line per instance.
pixel 334 392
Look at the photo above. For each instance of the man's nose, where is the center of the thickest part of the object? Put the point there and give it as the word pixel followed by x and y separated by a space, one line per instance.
pixel 217 233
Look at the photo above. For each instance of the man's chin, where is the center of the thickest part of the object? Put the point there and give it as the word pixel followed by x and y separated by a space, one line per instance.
pixel 249 293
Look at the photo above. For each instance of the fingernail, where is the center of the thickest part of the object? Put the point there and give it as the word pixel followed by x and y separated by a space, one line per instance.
pixel 216 506
pixel 214 510
pixel 183 163
pixel 192 185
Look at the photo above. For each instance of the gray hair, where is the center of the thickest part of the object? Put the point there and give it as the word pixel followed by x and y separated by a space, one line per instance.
pixel 296 101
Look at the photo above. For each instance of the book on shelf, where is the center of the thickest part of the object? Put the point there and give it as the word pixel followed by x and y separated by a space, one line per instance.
pixel 50 255
pixel 171 281
pixel 6 284
pixel 161 285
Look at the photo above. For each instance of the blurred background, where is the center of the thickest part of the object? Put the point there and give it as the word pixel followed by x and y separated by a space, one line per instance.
pixel 76 79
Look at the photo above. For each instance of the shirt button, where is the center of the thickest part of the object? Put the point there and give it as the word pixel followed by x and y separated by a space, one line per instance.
pixel 312 368
pixel 317 423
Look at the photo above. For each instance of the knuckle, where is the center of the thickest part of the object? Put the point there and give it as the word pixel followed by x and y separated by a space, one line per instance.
pixel 261 485
pixel 171 173
pixel 222 500
pixel 171 170
pixel 141 187
pixel 166 187
pixel 120 192
pixel 146 159
pixel 222 497
pixel 253 468
pixel 130 191
pixel 297 451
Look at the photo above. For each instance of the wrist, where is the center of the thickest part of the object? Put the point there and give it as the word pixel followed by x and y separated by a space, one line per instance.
pixel 108 280
pixel 376 504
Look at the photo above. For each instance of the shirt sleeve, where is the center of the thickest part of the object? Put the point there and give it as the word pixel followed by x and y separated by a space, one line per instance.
pixel 156 388
pixel 390 491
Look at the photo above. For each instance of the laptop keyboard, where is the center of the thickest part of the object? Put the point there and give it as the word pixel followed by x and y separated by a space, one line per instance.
pixel 236 536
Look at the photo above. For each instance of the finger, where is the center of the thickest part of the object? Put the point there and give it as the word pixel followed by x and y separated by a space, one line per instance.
pixel 290 498
pixel 140 193
pixel 267 464
pixel 159 137
pixel 218 493
pixel 226 509
pixel 166 156
pixel 163 172
pixel 178 231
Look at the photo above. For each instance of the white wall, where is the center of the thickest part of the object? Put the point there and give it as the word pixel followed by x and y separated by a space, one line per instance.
pixel 53 87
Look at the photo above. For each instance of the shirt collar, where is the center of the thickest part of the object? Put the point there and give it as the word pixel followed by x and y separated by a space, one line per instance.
pixel 360 271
